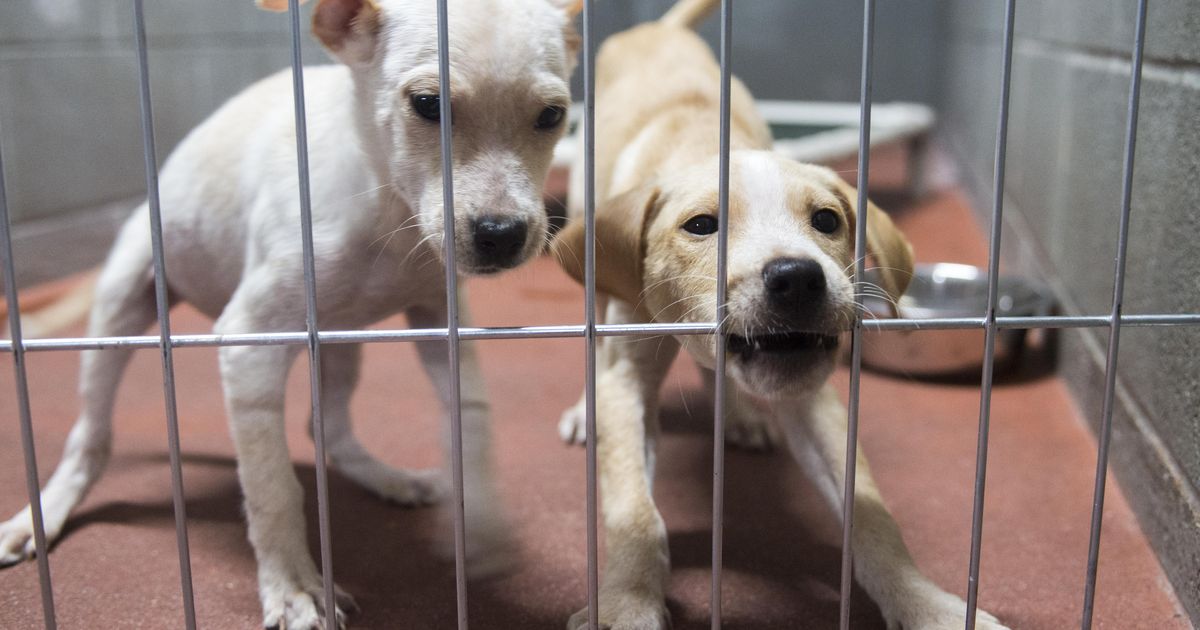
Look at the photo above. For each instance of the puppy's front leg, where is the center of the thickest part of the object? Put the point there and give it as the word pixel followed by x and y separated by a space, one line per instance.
pixel 254 379
pixel 489 537
pixel 882 563
pixel 637 562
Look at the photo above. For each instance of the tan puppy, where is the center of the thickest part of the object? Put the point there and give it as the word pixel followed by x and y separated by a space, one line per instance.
pixel 791 242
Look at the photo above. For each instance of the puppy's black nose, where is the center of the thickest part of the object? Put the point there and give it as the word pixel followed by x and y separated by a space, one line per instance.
pixel 498 240
pixel 794 282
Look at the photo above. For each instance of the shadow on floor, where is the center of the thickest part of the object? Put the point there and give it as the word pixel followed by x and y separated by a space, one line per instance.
pixel 392 559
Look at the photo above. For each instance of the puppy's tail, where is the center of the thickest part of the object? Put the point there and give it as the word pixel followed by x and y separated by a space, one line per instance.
pixel 275 5
pixel 688 13
pixel 45 314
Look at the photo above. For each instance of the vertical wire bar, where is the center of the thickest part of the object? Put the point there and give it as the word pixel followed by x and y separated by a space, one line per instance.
pixel 860 246
pixel 1114 331
pixel 32 486
pixel 452 320
pixel 718 515
pixel 985 393
pixel 310 298
pixel 589 307
pixel 164 319
pixel 856 336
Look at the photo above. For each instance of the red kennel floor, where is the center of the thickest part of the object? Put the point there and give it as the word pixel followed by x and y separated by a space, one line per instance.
pixel 116 567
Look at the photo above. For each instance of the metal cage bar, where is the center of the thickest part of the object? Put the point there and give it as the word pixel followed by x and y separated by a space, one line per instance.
pixel 1114 331
pixel 860 255
pixel 989 347
pixel 452 318
pixel 164 318
pixel 589 313
pixel 16 346
pixel 719 386
pixel 590 330
pixel 310 316
pixel 565 331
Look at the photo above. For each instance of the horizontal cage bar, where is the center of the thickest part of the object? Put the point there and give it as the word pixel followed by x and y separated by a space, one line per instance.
pixel 572 330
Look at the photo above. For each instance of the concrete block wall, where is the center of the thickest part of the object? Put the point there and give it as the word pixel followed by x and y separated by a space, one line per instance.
pixel 1070 83
pixel 70 127
pixel 69 120
pixel 811 50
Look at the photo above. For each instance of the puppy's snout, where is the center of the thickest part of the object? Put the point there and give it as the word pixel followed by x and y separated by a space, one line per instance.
pixel 793 282
pixel 499 240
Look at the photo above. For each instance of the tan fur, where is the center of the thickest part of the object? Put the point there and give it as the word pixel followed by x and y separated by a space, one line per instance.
pixel 657 118
pixel 688 13
pixel 892 252
pixel 275 5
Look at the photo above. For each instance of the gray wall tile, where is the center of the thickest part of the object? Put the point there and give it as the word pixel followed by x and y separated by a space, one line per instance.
pixel 1063 193
pixel 1107 26
pixel 70 132
pixel 69 119
pixel 811 50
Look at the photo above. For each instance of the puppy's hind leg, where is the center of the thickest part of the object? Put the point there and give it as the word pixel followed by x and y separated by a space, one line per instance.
pixel 124 305
pixel 339 375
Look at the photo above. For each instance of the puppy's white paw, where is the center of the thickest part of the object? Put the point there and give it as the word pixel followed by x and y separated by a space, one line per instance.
pixel 409 488
pixel 291 604
pixel 749 431
pixel 493 558
pixel 16 543
pixel 572 427
pixel 16 538
pixel 935 609
pixel 491 547
pixel 404 487
pixel 626 610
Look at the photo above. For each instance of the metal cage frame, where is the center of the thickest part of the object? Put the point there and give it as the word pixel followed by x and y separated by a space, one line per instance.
pixel 313 338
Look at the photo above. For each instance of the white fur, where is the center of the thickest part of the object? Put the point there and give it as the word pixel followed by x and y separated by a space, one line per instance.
pixel 233 250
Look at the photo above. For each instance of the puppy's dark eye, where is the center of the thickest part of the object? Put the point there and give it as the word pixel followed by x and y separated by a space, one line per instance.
pixel 427 106
pixel 701 224
pixel 550 117
pixel 825 220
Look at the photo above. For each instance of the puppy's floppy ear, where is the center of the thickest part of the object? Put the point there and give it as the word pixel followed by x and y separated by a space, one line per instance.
pixel 620 243
pixel 570 8
pixel 347 28
pixel 892 252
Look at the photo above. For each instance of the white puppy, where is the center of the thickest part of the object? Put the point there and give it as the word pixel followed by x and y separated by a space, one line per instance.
pixel 791 244
pixel 229 200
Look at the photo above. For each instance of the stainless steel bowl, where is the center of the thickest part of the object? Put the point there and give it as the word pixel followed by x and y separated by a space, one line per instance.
pixel 951 290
